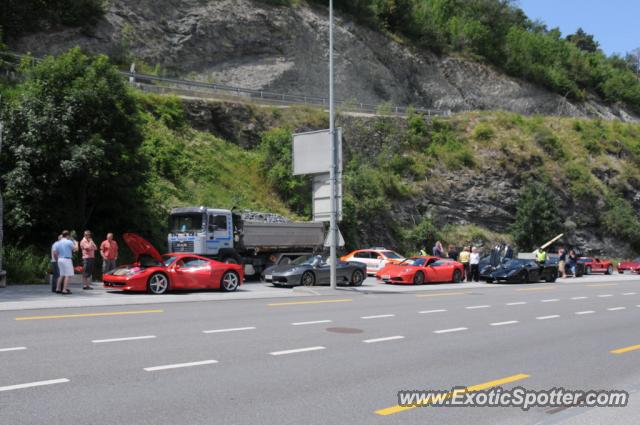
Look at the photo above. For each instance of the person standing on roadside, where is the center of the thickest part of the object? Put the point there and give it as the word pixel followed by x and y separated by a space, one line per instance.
pixel 438 250
pixel 562 262
pixel 55 274
pixel 572 261
pixel 109 253
pixel 62 252
pixel 464 260
pixel 541 255
pixel 453 253
pixel 89 249
pixel 474 264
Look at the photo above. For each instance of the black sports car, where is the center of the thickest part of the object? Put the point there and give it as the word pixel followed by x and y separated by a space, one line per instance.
pixel 310 270
pixel 520 271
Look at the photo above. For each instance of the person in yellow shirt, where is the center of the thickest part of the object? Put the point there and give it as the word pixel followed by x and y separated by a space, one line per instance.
pixel 464 259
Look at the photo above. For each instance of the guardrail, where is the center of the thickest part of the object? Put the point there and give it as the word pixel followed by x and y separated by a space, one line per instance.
pixel 203 90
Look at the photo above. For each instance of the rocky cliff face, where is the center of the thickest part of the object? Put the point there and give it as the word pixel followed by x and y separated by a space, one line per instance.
pixel 250 44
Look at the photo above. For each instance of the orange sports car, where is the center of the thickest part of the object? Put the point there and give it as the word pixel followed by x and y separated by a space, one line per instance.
pixel 419 270
pixel 374 258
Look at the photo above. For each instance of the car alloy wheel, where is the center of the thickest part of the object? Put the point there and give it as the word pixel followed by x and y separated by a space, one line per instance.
pixel 357 278
pixel 230 281
pixel 418 278
pixel 457 276
pixel 308 279
pixel 158 284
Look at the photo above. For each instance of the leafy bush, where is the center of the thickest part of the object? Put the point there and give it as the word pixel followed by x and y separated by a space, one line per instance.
pixel 537 218
pixel 550 143
pixel 621 220
pixel 483 132
pixel 25 264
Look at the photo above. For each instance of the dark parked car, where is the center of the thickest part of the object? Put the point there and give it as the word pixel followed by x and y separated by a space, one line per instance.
pixel 310 270
pixel 520 271
pixel 580 266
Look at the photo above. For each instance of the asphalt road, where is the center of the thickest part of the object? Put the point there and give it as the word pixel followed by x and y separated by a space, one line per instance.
pixel 321 360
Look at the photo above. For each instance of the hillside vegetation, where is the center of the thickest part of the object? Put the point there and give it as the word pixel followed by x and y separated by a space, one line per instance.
pixel 83 150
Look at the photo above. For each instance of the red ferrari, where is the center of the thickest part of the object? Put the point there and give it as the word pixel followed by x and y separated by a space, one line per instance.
pixel 629 266
pixel 158 274
pixel 418 270
pixel 596 265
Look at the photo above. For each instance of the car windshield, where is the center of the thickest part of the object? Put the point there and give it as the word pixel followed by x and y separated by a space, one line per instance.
pixel 181 223
pixel 392 255
pixel 168 259
pixel 305 259
pixel 414 262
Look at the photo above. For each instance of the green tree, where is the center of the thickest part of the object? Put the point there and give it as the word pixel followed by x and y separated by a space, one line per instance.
pixel 537 218
pixel 583 41
pixel 70 157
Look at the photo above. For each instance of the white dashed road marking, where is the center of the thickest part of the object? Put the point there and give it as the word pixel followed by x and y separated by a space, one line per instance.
pixel 553 316
pixel 585 312
pixel 131 338
pixel 617 308
pixel 216 331
pixel 297 350
pixel 475 307
pixel 444 331
pixel 315 322
pixel 389 338
pixel 432 311
pixel 34 384
pixel 510 322
pixel 2 350
pixel 180 365
pixel 379 316
pixel 605 295
pixel 517 303
pixel 551 300
pixel 579 298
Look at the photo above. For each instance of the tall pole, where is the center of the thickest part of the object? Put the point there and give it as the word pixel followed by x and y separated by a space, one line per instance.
pixel 332 173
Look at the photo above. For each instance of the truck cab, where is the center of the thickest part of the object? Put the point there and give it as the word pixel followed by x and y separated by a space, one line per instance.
pixel 200 230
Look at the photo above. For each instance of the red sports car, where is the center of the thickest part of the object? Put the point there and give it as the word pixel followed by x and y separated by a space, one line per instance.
pixel 631 266
pixel 418 270
pixel 596 265
pixel 158 274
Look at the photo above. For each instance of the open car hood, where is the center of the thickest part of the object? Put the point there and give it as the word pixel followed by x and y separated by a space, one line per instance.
pixel 140 246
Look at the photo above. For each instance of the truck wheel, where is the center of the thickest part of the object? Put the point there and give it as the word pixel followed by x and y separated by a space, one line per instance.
pixel 357 278
pixel 308 279
pixel 609 270
pixel 158 284
pixel 230 281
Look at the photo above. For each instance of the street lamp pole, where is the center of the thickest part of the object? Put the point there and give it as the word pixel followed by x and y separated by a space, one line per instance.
pixel 332 174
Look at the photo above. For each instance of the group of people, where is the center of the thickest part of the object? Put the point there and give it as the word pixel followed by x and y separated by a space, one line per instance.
pixel 567 261
pixel 62 259
pixel 469 256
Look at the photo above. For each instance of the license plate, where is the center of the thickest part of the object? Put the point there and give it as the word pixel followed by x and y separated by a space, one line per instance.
pixel 386 277
pixel 181 244
pixel 268 277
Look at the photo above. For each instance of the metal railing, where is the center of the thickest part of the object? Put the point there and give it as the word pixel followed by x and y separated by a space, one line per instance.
pixel 203 90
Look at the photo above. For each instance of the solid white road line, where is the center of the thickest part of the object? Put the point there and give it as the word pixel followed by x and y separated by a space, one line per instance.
pixel 550 300
pixel 217 331
pixel 179 365
pixel 585 312
pixel 311 323
pixel 131 338
pixel 617 308
pixel 444 331
pixel 475 307
pixel 379 316
pixel 432 311
pixel 553 316
pixel 510 322
pixel 629 293
pixel 298 350
pixel 34 384
pixel 389 338
pixel 517 303
pixel 605 295
pixel 12 349
pixel 579 298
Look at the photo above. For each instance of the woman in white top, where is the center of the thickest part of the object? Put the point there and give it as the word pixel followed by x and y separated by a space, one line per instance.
pixel 474 262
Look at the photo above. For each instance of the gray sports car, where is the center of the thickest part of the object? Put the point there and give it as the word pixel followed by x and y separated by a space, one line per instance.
pixel 309 270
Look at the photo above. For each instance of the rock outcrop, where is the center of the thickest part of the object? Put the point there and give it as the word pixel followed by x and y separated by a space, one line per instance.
pixel 251 44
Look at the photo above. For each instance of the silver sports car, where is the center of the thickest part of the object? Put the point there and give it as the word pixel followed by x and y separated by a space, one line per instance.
pixel 310 270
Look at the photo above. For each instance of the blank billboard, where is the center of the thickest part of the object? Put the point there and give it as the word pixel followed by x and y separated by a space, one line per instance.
pixel 322 197
pixel 312 152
